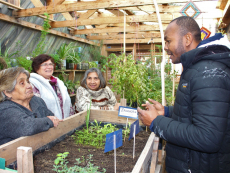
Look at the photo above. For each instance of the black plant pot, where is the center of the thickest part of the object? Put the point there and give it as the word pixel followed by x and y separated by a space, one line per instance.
pixel 69 65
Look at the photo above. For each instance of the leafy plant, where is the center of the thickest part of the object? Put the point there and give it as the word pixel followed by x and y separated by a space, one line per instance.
pixel 155 79
pixel 25 63
pixel 130 78
pixel 95 134
pixel 138 81
pixel 95 51
pixel 65 51
pixel 87 117
pixel 60 165
pixel 56 58
pixel 8 57
pixel 92 64
pixel 41 44
pixel 74 57
pixel 70 86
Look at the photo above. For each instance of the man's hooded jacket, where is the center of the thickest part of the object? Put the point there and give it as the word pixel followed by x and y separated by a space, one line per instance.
pixel 197 127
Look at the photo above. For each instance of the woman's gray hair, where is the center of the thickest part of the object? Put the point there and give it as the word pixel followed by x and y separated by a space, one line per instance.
pixel 100 76
pixel 8 80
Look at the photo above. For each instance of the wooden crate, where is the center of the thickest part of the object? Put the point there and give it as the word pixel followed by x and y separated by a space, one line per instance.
pixel 147 161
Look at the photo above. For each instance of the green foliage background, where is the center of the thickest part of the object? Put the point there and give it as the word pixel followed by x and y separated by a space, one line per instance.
pixel 139 81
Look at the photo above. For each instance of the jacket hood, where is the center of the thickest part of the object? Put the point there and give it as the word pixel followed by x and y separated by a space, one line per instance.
pixel 215 50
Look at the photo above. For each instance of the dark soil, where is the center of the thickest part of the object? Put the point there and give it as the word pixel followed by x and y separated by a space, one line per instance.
pixel 43 162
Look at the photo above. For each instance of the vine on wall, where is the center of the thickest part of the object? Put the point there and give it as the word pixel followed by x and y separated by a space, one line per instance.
pixel 41 45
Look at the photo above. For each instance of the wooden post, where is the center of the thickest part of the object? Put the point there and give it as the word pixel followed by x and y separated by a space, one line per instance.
pixel 123 102
pixel 135 51
pixel 154 160
pixel 25 160
pixel 72 75
pixel 50 2
pixel 105 53
pixel 152 50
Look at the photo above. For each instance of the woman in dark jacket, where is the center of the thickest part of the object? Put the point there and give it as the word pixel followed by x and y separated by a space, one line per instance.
pixel 22 113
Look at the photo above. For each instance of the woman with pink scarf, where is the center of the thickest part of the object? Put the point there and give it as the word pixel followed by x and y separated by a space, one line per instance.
pixel 51 89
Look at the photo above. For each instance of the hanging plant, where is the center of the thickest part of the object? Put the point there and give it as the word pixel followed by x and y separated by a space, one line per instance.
pixel 41 44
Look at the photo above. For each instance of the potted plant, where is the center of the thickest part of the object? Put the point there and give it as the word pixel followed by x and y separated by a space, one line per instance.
pixel 70 86
pixel 64 52
pixel 74 59
pixel 85 65
pixel 57 61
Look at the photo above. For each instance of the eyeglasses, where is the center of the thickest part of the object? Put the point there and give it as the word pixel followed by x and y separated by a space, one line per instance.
pixel 46 65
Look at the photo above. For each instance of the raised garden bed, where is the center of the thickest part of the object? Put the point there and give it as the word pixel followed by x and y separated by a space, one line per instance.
pixel 9 150
pixel 44 161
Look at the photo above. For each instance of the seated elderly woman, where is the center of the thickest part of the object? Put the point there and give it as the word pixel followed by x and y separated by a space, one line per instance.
pixel 22 113
pixel 93 87
pixel 51 89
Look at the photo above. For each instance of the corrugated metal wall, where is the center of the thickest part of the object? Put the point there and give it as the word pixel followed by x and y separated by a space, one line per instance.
pixel 11 34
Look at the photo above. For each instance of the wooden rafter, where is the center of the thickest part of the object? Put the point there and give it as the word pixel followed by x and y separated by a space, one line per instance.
pixel 39 28
pixel 121 36
pixel 111 20
pixel 120 29
pixel 226 19
pixel 88 5
pixel 119 41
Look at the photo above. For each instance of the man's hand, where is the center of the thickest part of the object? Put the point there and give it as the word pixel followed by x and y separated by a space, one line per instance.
pixel 159 107
pixel 147 116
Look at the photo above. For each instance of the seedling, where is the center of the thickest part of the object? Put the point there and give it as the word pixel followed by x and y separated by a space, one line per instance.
pixel 61 165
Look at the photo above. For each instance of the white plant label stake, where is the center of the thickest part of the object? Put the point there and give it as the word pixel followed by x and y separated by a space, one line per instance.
pixel 114 147
pixel 134 131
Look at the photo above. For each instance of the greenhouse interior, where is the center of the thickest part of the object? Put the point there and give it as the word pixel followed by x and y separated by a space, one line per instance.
pixel 115 86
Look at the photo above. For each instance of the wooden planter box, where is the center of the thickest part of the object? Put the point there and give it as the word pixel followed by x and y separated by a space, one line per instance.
pixel 149 161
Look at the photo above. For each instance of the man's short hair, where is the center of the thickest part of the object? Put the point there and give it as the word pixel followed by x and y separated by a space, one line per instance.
pixel 188 24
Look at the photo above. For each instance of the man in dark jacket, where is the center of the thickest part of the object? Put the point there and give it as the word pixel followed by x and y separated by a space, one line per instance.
pixel 197 128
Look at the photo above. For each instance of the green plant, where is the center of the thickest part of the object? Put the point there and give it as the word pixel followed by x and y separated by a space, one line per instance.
pixel 87 117
pixel 60 165
pixel 155 80
pixel 95 134
pixel 130 78
pixel 25 63
pixel 70 86
pixel 56 58
pixel 74 56
pixel 95 51
pixel 139 81
pixel 8 57
pixel 92 64
pixel 41 44
pixel 66 51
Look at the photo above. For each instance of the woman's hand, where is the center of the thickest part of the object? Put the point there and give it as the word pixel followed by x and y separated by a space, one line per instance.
pixel 159 107
pixel 55 120
pixel 104 108
pixel 116 107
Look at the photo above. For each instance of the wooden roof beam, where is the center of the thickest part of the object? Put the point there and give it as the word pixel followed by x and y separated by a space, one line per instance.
pixel 120 41
pixel 87 5
pixel 40 28
pixel 226 19
pixel 120 29
pixel 111 20
pixel 121 36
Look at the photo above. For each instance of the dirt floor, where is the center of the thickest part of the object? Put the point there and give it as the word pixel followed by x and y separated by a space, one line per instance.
pixel 43 162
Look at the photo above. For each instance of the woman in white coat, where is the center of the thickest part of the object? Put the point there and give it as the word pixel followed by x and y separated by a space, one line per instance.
pixel 51 89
